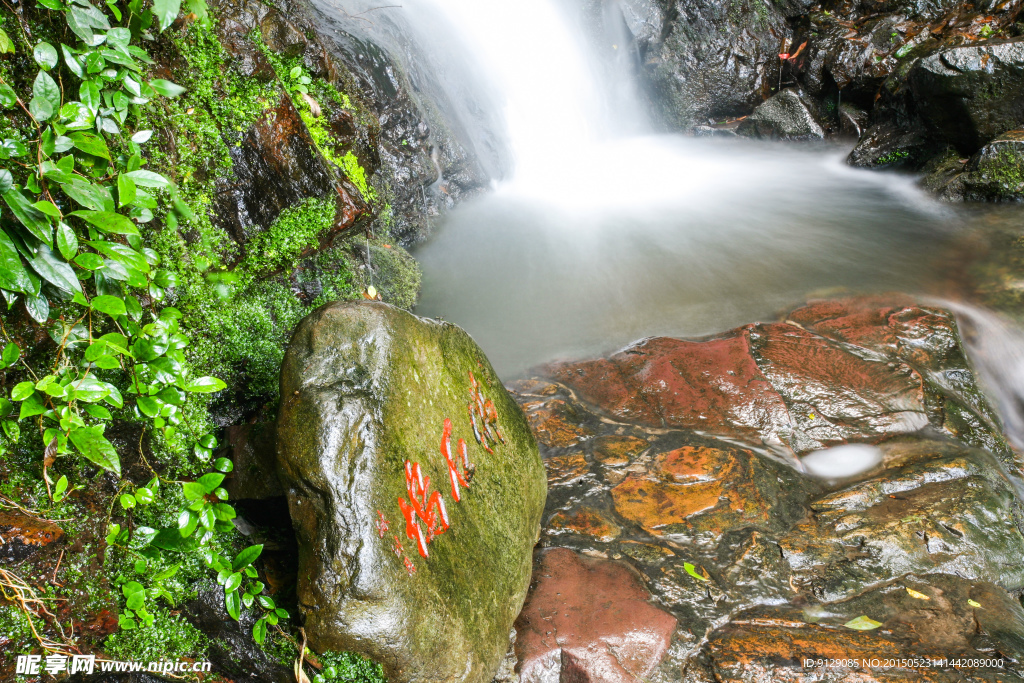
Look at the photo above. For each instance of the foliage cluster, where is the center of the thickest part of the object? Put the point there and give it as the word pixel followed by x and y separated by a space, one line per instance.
pixel 80 199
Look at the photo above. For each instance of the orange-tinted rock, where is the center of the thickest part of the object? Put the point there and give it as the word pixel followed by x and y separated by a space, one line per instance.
pixel 586 521
pixel 618 450
pixel 589 621
pixel 696 489
pixel 773 644
pixel 710 385
pixel 554 423
pixel 22 536
pixel 562 469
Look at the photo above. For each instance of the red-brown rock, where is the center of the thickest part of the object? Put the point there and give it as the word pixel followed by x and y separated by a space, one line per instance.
pixel 658 382
pixel 589 621
pixel 22 536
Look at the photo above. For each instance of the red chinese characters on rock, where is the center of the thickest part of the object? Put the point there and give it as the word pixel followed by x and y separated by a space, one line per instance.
pixel 424 507
pixel 482 412
pixel 460 469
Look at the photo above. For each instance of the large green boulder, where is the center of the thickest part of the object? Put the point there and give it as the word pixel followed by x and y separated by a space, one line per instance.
pixel 420 564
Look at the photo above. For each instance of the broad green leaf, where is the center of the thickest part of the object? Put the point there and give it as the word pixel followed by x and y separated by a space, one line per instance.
pixel 12 148
pixel 29 216
pixel 166 88
pixel 193 490
pixel 38 307
pixel 67 242
pixel 232 603
pixel 142 136
pixel 88 195
pixel 862 623
pixel 144 496
pixel 125 255
pixel 90 144
pixel 6 44
pixel 144 535
pixel 108 221
pixel 47 208
pixel 6 180
pixel 210 481
pixel 223 464
pixel 148 179
pixel 126 190
pixel 204 385
pixel 223 511
pixel 233 582
pixel 111 305
pixel 55 271
pixel 94 446
pixel 148 406
pixel 22 390
pixel 11 354
pixel 40 108
pixel 33 405
pixel 89 93
pixel 8 98
pixel 166 11
pixel 74 64
pixel 45 56
pixel 246 557
pixel 135 595
pixel 127 501
pixel 13 276
pixel 46 89
pixel 89 261
pixel 259 631
pixel 60 487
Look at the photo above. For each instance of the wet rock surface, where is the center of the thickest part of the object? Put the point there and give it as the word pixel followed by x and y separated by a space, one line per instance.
pixel 21 536
pixel 762 565
pixel 783 117
pixel 415 491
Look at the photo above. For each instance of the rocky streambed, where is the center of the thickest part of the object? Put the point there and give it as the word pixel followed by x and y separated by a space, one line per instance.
pixel 826 497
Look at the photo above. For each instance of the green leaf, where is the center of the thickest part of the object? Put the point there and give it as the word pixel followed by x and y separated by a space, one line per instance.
pixel 89 261
pixel 73 62
pixel 259 631
pixel 11 354
pixel 144 496
pixel 135 594
pixel 89 93
pixel 60 488
pixel 108 221
pixel 246 557
pixel 99 412
pixel 223 465
pixel 210 481
pixel 148 406
pixel 125 255
pixel 6 181
pixel 55 271
pixel 47 208
pixel 193 490
pixel 205 385
pixel 692 571
pixel 862 623
pixel 6 44
pixel 166 88
pixel 95 447
pixel 67 241
pixel 233 604
pixel 145 178
pixel 126 190
pixel 8 98
pixel 38 307
pixel 22 390
pixel 166 11
pixel 127 501
pixel 267 602
pixel 111 305
pixel 46 89
pixel 11 429
pixel 29 216
pixel 90 144
pixel 233 582
pixel 45 56
pixel 223 511
pixel 88 195
pixel 13 276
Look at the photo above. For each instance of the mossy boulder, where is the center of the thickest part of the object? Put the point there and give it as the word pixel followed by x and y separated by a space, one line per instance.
pixel 996 172
pixel 415 488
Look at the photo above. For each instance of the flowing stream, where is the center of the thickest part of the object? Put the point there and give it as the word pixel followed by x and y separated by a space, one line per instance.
pixel 601 231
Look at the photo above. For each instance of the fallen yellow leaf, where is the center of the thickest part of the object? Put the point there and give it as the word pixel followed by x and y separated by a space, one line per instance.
pixel 862 623
pixel 972 603
pixel 914 594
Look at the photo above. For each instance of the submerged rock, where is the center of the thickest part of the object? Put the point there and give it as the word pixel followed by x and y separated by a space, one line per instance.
pixel 783 117
pixel 415 536
pixel 22 536
pixel 664 467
